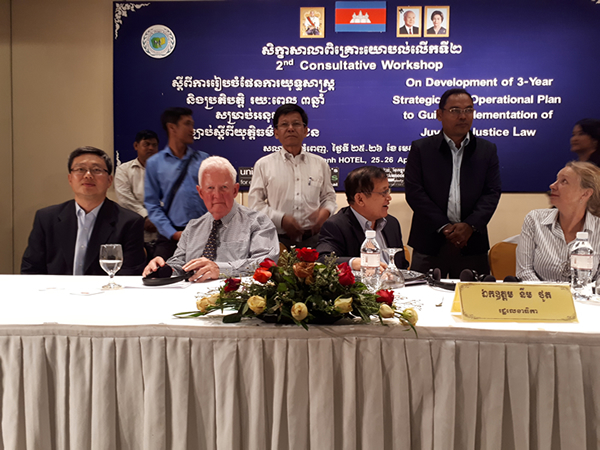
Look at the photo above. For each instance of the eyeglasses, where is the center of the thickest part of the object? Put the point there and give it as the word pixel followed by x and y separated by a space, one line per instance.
pixel 95 171
pixel 382 193
pixel 458 111
pixel 296 125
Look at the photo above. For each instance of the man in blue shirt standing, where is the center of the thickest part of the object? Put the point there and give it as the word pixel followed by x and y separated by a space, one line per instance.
pixel 171 179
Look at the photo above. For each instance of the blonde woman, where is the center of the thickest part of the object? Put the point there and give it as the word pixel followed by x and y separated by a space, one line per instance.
pixel 544 248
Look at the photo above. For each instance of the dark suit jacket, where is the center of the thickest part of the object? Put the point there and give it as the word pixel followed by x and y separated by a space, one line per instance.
pixel 342 234
pixel 404 30
pixel 431 30
pixel 427 180
pixel 51 247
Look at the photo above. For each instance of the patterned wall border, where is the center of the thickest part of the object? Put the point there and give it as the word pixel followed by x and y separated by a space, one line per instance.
pixel 121 11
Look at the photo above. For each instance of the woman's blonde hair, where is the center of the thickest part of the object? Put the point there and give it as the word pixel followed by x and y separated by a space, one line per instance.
pixel 589 178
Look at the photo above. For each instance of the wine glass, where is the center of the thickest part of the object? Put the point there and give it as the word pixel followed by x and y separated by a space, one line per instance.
pixel 392 277
pixel 111 259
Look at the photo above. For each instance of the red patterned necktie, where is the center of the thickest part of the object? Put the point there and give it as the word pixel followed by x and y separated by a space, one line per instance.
pixel 210 250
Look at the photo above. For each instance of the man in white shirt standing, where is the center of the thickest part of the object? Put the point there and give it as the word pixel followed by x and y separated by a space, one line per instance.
pixel 293 187
pixel 129 183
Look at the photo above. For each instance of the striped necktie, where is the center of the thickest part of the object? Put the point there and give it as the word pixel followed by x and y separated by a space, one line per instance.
pixel 210 250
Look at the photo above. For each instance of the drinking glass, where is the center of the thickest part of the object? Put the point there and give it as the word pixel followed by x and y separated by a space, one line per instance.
pixel 111 260
pixel 392 277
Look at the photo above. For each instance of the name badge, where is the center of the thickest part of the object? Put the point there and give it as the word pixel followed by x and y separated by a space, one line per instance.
pixel 514 302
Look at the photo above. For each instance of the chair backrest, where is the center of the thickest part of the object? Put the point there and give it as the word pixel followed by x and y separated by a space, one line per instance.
pixel 407 254
pixel 503 260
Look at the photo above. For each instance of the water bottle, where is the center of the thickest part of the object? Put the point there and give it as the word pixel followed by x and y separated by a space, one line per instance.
pixel 370 255
pixel 582 266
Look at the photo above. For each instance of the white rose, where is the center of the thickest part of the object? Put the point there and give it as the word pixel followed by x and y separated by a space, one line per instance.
pixel 257 304
pixel 205 302
pixel 411 316
pixel 343 305
pixel 299 311
pixel 386 311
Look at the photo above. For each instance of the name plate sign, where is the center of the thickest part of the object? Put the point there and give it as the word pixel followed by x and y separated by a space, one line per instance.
pixel 514 302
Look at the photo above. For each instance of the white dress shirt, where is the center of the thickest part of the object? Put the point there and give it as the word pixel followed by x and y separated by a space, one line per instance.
pixel 298 186
pixel 543 253
pixel 85 226
pixel 454 196
pixel 129 186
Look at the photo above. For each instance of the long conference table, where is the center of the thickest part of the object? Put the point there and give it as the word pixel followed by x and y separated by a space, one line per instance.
pixel 81 369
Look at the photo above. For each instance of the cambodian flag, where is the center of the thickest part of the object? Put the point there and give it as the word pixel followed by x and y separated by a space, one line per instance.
pixel 360 16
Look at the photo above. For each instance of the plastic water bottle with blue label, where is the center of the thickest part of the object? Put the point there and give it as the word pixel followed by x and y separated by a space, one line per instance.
pixel 370 256
pixel 582 266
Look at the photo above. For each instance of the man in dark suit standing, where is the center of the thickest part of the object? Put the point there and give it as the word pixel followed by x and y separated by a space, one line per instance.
pixel 368 194
pixel 66 238
pixel 453 186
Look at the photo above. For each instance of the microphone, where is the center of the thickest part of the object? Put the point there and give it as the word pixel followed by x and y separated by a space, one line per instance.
pixel 163 276
pixel 511 279
pixel 468 275
pixel 433 279
pixel 163 272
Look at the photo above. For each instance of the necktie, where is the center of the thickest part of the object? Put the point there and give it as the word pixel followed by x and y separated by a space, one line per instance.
pixel 210 250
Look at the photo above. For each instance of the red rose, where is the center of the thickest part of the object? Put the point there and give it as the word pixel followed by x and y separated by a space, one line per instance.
pixel 232 284
pixel 346 277
pixel 268 263
pixel 262 275
pixel 384 296
pixel 307 254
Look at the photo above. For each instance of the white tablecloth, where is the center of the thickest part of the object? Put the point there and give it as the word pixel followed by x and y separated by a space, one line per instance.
pixel 115 370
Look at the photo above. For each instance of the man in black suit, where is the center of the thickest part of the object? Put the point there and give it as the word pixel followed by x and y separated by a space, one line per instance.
pixel 66 238
pixel 452 183
pixel 368 194
pixel 409 22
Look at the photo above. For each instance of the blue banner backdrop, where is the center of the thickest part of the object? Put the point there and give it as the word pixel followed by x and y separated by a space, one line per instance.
pixel 531 66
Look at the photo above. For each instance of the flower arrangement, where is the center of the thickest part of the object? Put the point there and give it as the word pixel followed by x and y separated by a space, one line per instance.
pixel 301 290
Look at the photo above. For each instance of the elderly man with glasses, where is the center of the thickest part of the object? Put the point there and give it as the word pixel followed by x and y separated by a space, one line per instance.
pixel 452 183
pixel 66 238
pixel 368 194
pixel 293 187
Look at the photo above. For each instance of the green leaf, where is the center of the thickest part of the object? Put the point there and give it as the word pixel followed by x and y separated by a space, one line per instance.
pixel 282 287
pixel 188 315
pixel 414 329
pixel 317 299
pixel 232 318
pixel 363 316
pixel 287 314
pixel 290 279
